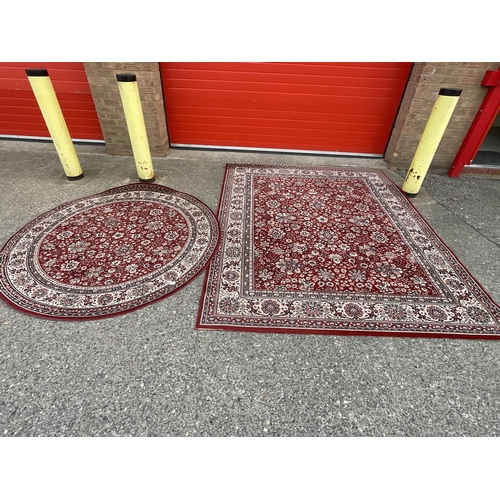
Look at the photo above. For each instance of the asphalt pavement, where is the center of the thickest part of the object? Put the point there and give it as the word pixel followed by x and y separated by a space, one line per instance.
pixel 151 373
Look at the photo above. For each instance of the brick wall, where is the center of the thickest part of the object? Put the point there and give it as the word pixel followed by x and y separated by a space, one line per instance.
pixel 425 82
pixel 104 88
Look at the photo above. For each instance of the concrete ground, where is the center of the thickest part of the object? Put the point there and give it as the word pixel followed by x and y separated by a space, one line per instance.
pixel 150 373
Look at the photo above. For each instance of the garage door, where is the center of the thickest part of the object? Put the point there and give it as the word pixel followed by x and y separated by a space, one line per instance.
pixel 20 115
pixel 346 108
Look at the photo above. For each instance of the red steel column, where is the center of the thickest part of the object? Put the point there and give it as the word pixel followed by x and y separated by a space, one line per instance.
pixel 481 124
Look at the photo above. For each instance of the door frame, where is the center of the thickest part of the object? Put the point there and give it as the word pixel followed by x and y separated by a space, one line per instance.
pixel 481 124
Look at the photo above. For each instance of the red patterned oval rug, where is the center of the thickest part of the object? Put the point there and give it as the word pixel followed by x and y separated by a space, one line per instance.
pixel 335 251
pixel 108 253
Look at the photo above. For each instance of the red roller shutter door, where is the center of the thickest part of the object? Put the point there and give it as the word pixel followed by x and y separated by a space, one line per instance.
pixel 20 115
pixel 327 107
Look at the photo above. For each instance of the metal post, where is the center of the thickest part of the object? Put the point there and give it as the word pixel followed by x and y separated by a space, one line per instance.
pixel 51 110
pixel 431 137
pixel 131 100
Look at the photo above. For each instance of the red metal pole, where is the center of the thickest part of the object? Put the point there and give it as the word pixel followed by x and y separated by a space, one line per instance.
pixel 481 124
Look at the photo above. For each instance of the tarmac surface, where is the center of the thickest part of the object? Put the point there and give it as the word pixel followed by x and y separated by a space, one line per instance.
pixel 151 373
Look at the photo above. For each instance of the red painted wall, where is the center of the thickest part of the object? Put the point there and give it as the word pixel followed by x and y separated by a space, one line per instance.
pixel 19 111
pixel 336 107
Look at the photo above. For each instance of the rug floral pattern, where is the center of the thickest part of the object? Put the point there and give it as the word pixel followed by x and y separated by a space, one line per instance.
pixel 108 253
pixel 326 250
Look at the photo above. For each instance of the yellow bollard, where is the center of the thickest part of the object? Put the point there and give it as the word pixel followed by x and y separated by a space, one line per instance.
pixel 131 100
pixel 51 110
pixel 429 142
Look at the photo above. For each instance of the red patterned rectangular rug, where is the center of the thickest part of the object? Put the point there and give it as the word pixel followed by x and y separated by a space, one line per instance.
pixel 328 250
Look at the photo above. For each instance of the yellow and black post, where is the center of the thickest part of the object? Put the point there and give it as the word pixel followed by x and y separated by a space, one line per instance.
pixel 131 100
pixel 51 110
pixel 429 142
